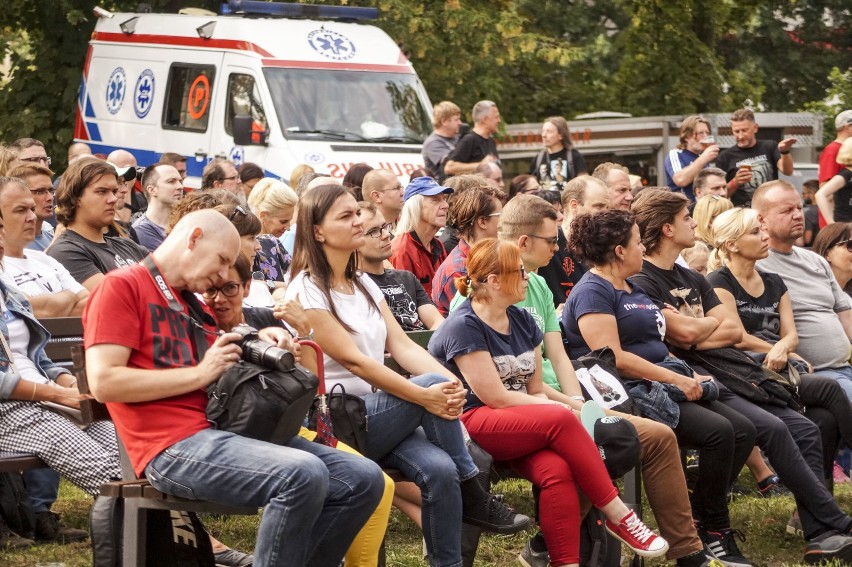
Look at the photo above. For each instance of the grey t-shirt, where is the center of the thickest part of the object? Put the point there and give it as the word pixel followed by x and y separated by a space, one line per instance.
pixel 435 149
pixel 816 299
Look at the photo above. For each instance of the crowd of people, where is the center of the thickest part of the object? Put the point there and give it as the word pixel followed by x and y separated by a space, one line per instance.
pixel 694 288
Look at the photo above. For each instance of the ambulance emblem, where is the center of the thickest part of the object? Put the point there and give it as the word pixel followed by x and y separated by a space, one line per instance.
pixel 143 94
pixel 116 86
pixel 331 44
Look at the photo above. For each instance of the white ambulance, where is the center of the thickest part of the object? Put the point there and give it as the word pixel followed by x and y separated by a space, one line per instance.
pixel 265 82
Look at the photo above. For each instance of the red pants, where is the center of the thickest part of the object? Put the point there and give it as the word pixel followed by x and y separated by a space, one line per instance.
pixel 547 445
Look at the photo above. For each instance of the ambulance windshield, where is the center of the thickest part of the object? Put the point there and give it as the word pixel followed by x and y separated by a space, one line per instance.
pixel 354 106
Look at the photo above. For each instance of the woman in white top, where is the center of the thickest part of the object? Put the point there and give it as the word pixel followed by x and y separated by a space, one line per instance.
pixel 412 424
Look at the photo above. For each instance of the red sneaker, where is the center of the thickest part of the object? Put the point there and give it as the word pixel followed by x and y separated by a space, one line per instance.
pixel 636 535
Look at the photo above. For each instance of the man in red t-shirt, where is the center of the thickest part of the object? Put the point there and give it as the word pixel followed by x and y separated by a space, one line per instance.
pixel 828 166
pixel 142 360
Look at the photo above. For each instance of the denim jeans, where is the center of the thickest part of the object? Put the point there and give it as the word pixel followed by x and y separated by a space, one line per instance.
pixel 315 498
pixel 42 488
pixel 431 452
pixel 843 375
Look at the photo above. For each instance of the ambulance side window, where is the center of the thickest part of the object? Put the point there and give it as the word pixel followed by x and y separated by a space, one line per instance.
pixel 244 99
pixel 188 97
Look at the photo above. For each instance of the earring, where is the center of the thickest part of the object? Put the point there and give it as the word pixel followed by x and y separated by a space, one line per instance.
pixel 321 239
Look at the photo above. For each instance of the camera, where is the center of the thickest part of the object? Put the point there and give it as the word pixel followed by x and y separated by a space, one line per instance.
pixel 261 352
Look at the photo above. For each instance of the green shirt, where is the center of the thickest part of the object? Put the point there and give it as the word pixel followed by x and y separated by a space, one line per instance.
pixel 539 303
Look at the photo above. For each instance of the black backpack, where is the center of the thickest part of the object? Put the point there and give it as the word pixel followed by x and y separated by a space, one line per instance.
pixel 15 507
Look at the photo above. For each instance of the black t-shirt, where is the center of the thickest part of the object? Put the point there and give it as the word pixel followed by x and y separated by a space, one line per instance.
pixel 403 294
pixel 547 166
pixel 473 148
pixel 763 158
pixel 684 289
pixel 84 258
pixel 760 315
pixel 563 272
pixel 843 198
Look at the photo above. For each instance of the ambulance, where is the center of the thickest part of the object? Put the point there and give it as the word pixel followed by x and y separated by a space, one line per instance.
pixel 264 82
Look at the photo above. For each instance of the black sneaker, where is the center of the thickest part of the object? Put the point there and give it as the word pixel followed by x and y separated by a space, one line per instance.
pixel 493 516
pixel 49 528
pixel 722 545
pixel 233 558
pixel 829 546
pixel 771 487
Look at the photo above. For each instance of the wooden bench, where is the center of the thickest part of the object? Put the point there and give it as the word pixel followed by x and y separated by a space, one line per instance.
pixel 138 495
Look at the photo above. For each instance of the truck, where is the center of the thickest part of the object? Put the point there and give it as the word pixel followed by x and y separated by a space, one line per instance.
pixel 642 144
pixel 265 82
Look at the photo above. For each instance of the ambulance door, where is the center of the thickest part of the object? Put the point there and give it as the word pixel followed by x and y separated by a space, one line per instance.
pixel 245 96
pixel 190 107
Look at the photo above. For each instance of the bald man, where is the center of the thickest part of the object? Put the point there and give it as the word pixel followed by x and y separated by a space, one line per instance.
pixel 382 188
pixel 142 347
pixel 78 150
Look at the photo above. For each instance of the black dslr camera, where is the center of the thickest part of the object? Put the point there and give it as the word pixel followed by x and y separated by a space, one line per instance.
pixel 261 352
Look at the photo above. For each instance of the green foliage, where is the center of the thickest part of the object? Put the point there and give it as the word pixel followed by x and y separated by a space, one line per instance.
pixel 837 98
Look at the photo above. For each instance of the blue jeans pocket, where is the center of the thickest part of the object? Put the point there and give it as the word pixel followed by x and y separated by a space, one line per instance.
pixel 168 486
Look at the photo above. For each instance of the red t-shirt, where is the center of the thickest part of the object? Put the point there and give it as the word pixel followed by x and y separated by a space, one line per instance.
pixel 828 166
pixel 128 309
pixel 408 253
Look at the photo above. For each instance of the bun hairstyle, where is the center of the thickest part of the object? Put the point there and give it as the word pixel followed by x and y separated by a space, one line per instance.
pixel 490 256
pixel 594 236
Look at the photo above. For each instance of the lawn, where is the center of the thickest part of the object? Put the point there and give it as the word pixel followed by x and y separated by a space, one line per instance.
pixel 762 520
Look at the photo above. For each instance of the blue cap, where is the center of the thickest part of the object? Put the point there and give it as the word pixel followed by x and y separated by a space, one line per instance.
pixel 424 186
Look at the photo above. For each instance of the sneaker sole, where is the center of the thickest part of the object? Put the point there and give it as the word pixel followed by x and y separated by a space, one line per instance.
pixel 502 530
pixel 526 563
pixel 640 552
pixel 710 553
pixel 844 554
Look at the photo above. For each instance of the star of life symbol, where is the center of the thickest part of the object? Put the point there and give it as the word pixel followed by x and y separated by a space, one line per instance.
pixel 331 44
pixel 116 86
pixel 143 94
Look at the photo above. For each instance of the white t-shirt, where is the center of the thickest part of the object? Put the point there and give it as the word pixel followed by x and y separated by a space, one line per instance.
pixel 38 273
pixel 19 341
pixel 357 312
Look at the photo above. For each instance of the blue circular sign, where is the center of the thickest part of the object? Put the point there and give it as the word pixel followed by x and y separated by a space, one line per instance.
pixel 116 86
pixel 331 44
pixel 143 94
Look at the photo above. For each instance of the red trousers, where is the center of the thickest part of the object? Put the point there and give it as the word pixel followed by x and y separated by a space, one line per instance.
pixel 547 445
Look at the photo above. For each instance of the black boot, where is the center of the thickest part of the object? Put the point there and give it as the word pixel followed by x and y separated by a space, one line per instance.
pixel 481 509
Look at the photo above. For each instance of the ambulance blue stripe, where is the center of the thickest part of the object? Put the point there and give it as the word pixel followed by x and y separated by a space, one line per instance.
pixel 94 131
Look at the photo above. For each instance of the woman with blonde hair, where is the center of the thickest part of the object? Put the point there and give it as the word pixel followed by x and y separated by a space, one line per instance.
pixel 274 203
pixel 763 305
pixel 706 209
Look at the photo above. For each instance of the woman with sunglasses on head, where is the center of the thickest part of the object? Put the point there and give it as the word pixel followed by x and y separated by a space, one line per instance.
pixel 226 302
pixel 475 212
pixel 763 306
pixel 494 347
pixel 274 203
pixel 413 422
pixel 606 310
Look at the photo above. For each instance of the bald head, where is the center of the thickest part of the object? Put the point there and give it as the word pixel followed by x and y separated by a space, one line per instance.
pixel 78 150
pixel 375 180
pixel 779 207
pixel 122 158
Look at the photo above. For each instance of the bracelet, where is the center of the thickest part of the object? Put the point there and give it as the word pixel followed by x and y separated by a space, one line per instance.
pixel 308 337
pixel 32 396
pixel 578 398
pixel 784 153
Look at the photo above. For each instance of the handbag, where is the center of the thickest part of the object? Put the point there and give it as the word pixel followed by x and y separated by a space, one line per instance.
pixel 600 382
pixel 347 415
pixel 261 403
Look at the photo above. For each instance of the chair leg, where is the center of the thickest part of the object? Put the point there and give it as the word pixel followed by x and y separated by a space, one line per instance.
pixel 135 528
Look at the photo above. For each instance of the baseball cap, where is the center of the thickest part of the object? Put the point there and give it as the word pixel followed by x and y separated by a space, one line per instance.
pixel 424 186
pixel 128 173
pixel 616 438
pixel 843 119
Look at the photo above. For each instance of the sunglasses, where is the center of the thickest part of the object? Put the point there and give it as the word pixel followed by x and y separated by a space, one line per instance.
pixel 237 210
pixel 847 243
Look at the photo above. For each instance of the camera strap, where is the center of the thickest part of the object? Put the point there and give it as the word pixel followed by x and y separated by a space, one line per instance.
pixel 196 312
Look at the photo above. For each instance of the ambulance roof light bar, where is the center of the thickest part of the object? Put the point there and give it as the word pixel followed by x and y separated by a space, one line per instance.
pixel 259 8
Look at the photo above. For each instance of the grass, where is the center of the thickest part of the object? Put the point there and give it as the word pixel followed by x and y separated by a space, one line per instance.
pixel 763 520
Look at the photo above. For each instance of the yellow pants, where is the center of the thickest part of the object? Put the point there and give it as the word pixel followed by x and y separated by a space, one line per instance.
pixel 364 551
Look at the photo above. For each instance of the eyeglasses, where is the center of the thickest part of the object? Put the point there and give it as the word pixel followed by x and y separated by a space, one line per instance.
pixel 237 210
pixel 42 192
pixel 231 177
pixel 377 231
pixel 551 241
pixel 230 289
pixel 394 188
pixel 847 243
pixel 522 270
pixel 43 159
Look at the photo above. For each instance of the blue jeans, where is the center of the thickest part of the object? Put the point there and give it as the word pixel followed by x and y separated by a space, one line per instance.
pixel 431 452
pixel 315 498
pixel 42 488
pixel 843 375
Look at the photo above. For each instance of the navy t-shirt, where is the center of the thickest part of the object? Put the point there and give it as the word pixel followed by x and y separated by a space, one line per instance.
pixel 513 354
pixel 641 325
